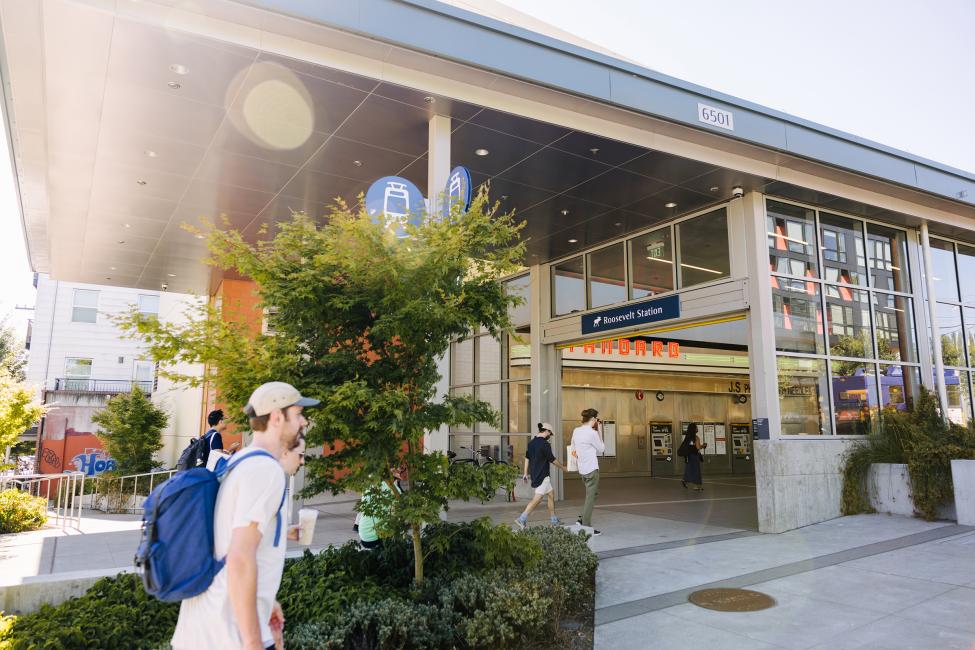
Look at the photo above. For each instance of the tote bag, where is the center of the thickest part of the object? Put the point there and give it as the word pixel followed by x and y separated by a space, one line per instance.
pixel 571 461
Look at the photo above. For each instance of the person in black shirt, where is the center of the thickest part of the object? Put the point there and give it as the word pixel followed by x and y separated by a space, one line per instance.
pixel 537 458
pixel 218 424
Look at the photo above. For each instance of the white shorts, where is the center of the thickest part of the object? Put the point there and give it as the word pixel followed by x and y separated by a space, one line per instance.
pixel 544 488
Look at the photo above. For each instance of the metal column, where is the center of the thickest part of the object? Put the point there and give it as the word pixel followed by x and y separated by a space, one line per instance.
pixel 939 366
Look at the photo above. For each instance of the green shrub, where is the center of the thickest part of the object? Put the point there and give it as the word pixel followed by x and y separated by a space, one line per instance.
pixel 495 612
pixel 567 564
pixel 114 613
pixel 388 624
pixel 923 441
pixel 20 511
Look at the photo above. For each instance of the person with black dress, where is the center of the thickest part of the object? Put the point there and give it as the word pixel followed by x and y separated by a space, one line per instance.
pixel 692 448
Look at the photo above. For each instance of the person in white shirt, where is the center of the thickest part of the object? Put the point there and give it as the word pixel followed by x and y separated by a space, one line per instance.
pixel 587 441
pixel 240 609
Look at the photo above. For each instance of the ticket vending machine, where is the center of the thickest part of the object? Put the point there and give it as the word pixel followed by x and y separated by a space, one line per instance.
pixel 662 452
pixel 742 453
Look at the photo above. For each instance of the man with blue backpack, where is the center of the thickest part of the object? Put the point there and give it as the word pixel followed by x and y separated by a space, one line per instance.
pixel 238 609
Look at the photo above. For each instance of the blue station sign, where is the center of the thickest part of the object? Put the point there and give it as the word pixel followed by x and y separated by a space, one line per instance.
pixel 649 311
pixel 395 202
pixel 457 190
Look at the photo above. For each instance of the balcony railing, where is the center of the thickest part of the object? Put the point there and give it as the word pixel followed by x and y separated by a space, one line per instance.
pixel 104 386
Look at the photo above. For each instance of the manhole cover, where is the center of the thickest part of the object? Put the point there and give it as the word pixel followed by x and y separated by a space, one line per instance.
pixel 731 600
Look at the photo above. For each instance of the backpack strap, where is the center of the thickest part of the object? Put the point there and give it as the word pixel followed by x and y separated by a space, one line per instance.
pixel 225 469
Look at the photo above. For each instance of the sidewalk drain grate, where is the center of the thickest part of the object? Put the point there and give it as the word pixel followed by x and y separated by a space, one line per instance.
pixel 731 600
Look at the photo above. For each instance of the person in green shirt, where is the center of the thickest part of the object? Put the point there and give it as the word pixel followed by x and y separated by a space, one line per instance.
pixel 368 530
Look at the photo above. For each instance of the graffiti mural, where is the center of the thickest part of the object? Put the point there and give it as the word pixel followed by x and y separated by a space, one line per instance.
pixel 93 462
pixel 51 458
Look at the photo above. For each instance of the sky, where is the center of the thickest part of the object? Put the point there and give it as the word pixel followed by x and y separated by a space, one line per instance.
pixel 898 72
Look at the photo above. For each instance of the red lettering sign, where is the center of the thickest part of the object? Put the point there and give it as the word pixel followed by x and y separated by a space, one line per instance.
pixel 625 347
pixel 658 348
pixel 673 350
pixel 641 347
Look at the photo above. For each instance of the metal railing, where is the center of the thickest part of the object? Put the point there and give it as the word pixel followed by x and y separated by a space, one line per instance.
pixel 112 495
pixel 104 386
pixel 64 493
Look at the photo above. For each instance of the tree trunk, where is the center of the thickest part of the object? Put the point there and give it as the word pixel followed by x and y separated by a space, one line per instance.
pixel 417 555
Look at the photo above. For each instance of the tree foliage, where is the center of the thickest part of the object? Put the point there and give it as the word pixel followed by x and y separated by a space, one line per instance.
pixel 360 319
pixel 19 409
pixel 131 428
pixel 13 355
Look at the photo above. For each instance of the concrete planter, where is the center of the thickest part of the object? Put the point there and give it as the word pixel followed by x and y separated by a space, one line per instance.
pixel 889 487
pixel 963 477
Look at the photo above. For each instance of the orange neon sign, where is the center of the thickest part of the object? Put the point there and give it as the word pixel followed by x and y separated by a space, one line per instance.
pixel 627 347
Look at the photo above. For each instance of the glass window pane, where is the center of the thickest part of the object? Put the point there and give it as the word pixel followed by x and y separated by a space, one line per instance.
pixel 84 315
pixel 607 276
pixel 887 252
pixel 519 446
pixel 966 269
pixel 970 334
pixel 952 346
pixel 77 368
pixel 490 393
pixel 85 298
pixel 854 397
pixel 519 356
pixel 519 407
pixel 791 239
pixel 148 304
pixel 844 257
pixel 703 247
pixel 464 391
pixel 895 328
pixel 652 263
pixel 943 267
pixel 568 287
pixel 520 286
pixel 462 446
pixel 144 371
pixel 803 396
pixel 848 322
pixel 462 362
pixel 488 355
pixel 899 387
pixel 959 396
pixel 798 316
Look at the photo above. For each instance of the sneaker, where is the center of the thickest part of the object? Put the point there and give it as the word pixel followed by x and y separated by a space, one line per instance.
pixel 556 522
pixel 579 521
pixel 596 533
pixel 520 524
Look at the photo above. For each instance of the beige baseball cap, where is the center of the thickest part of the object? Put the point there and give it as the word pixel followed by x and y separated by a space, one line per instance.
pixel 275 395
pixel 547 427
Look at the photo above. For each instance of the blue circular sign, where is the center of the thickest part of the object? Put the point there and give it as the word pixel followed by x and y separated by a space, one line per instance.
pixel 457 190
pixel 395 202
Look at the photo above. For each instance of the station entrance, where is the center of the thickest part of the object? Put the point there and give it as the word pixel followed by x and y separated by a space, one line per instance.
pixel 648 390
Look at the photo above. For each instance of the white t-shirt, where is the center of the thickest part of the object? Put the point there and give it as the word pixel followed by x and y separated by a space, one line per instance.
pixel 587 443
pixel 250 493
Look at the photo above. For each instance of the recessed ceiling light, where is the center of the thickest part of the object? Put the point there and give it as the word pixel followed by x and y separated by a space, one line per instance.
pixel 174 85
pixel 111 268
pixel 428 99
pixel 199 236
pixel 617 224
pixel 150 153
pixel 670 205
pixel 481 152
pixel 171 275
pixel 573 241
pixel 179 68
pixel 357 163
pixel 715 188
pixel 594 150
pixel 127 225
pixel 140 182
pixel 565 212
pixel 121 241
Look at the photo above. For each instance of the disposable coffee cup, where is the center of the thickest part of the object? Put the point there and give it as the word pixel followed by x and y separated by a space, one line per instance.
pixel 306 525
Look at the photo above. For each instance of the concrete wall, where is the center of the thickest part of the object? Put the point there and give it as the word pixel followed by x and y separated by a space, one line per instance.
pixel 799 482
pixel 890 490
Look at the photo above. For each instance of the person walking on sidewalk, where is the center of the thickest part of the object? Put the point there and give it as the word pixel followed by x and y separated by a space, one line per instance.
pixel 538 456
pixel 239 609
pixel 690 449
pixel 587 442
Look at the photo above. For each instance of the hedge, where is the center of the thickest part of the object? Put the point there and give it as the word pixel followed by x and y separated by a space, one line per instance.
pixel 20 511
pixel 487 587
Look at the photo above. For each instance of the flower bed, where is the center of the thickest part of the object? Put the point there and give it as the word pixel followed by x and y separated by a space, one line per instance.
pixel 487 587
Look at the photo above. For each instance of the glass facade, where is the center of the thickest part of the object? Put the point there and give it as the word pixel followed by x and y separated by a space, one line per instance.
pixel 955 313
pixel 498 372
pixel 843 306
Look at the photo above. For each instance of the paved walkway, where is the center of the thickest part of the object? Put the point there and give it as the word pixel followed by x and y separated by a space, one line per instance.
pixel 872 581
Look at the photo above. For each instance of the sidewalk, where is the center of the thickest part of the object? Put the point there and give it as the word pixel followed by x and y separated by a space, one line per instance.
pixel 871 581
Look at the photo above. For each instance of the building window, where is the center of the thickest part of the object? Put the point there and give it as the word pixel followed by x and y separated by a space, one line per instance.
pixel 568 287
pixel 267 321
pixel 845 341
pixel 85 309
pixel 148 305
pixel 521 287
pixel 702 247
pixel 144 371
pixel 607 276
pixel 652 263
pixel 77 373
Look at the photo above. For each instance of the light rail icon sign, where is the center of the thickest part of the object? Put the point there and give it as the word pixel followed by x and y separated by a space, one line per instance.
pixel 396 202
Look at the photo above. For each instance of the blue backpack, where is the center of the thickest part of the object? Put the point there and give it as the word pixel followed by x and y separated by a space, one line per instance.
pixel 175 555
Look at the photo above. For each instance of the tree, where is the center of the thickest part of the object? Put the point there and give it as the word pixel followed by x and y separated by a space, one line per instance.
pixel 360 318
pixel 19 409
pixel 13 356
pixel 131 428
